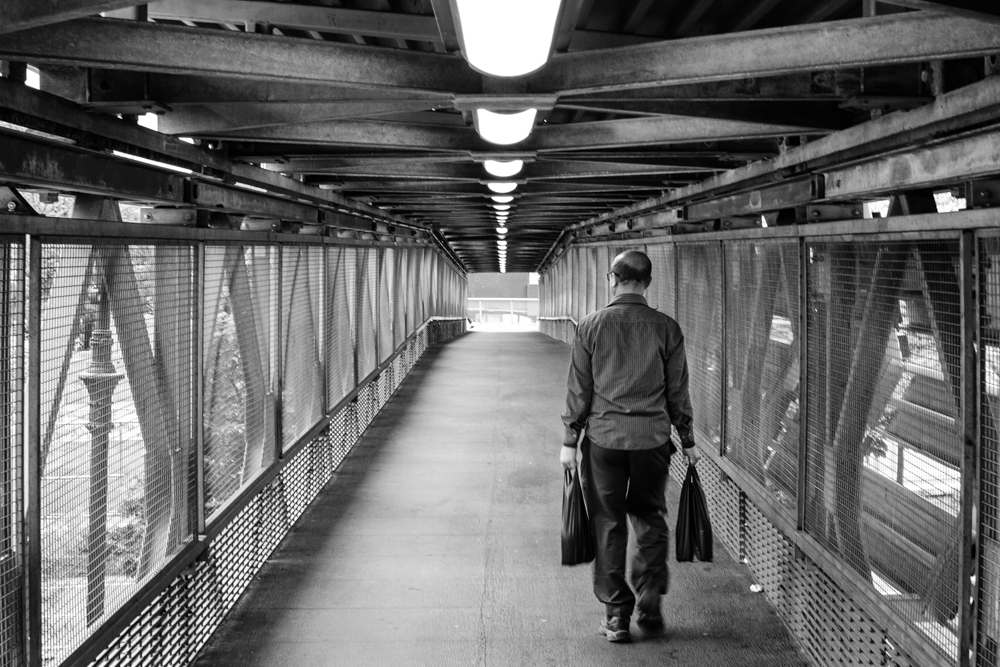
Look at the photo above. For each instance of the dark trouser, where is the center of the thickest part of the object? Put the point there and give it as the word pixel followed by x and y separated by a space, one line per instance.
pixel 619 484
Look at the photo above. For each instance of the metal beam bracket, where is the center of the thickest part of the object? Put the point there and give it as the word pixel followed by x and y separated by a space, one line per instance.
pixel 982 193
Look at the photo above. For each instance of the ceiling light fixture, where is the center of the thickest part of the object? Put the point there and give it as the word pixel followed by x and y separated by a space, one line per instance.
pixel 502 199
pixel 501 207
pixel 490 29
pixel 504 128
pixel 503 169
pixel 501 187
pixel 501 230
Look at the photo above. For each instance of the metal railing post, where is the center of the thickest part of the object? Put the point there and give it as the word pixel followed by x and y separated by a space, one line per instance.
pixel 32 442
pixel 199 387
pixel 803 449
pixel 969 568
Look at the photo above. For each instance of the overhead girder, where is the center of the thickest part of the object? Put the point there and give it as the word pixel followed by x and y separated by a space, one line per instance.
pixel 982 11
pixel 203 120
pixel 469 171
pixel 655 131
pixel 177 90
pixel 907 37
pixel 23 14
pixel 132 45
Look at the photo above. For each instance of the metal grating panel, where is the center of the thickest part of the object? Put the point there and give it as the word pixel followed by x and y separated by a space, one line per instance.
pixel 769 555
pixel 366 337
pixel 117 485
pixel 660 294
pixel 699 311
pixel 384 317
pixel 591 279
pixel 762 363
pixel 240 297
pixel 302 299
pixel 341 310
pixel 883 483
pixel 989 462
pixel 12 299
pixel 400 295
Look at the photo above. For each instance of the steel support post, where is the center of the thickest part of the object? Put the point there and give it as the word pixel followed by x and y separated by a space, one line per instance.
pixel 803 296
pixel 724 372
pixel 33 447
pixel 279 312
pixel 969 569
pixel 199 387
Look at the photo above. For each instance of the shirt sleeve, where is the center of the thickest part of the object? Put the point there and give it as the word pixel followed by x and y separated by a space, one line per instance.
pixel 580 391
pixel 678 398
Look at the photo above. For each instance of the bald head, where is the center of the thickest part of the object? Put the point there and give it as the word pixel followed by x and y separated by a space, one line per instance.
pixel 633 266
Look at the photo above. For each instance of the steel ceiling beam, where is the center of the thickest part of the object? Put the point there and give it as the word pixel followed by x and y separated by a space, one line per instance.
pixel 973 9
pixel 138 46
pixel 25 14
pixel 880 40
pixel 202 120
pixel 653 131
pixel 386 25
pixel 821 114
pixel 366 133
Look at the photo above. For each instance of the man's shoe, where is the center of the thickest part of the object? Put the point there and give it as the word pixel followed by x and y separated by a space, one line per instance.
pixel 615 628
pixel 647 607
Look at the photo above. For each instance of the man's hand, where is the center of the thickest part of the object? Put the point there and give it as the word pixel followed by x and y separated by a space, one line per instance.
pixel 692 453
pixel 567 457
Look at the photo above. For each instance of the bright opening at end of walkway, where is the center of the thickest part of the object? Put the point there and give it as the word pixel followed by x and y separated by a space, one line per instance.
pixel 503 302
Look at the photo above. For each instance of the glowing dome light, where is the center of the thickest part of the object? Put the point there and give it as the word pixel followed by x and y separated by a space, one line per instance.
pixel 501 187
pixel 506 37
pixel 504 128
pixel 503 169
pixel 502 230
pixel 502 199
pixel 501 207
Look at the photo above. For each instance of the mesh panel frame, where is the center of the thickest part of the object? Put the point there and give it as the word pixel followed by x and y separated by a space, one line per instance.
pixel 341 315
pixel 302 339
pixel 384 317
pixel 241 308
pixel 117 483
pixel 699 312
pixel 883 484
pixel 989 461
pixel 762 367
pixel 367 333
pixel 12 261
pixel 661 293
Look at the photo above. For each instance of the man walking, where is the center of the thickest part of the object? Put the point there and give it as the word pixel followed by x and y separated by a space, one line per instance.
pixel 628 382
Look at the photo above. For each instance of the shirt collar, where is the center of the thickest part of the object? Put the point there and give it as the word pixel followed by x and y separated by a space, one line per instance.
pixel 628 298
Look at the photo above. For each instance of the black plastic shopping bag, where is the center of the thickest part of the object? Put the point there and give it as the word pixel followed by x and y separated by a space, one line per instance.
pixel 694 530
pixel 577 538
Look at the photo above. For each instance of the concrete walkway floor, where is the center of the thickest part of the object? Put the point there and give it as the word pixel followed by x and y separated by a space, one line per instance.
pixel 437 543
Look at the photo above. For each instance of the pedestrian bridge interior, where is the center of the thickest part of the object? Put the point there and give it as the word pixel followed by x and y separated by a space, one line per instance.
pixel 244 419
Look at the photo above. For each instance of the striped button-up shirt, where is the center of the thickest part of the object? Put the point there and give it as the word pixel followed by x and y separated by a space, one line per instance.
pixel 628 378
